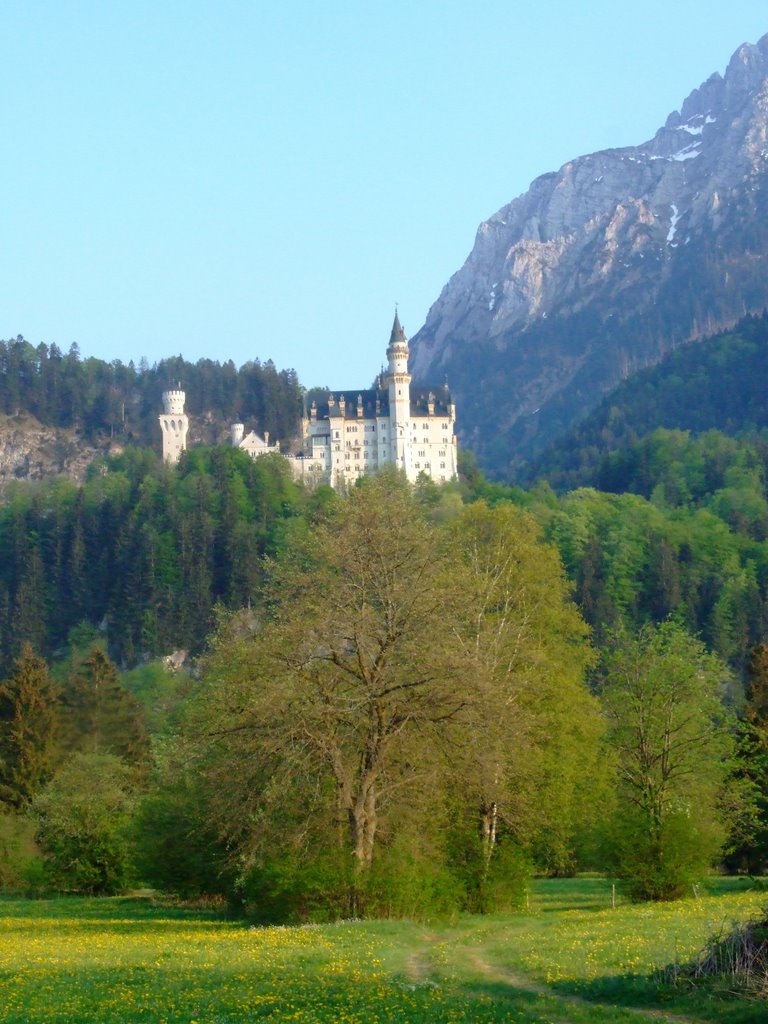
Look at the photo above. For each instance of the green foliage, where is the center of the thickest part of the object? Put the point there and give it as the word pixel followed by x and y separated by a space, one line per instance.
pixel 401 665
pixel 633 562
pixel 20 860
pixel 750 836
pixel 28 719
pixel 98 714
pixel 160 692
pixel 141 551
pixel 83 824
pixel 719 383
pixel 669 736
pixel 175 848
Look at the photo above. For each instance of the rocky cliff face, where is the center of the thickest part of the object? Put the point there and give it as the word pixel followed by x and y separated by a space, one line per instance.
pixel 31 451
pixel 603 266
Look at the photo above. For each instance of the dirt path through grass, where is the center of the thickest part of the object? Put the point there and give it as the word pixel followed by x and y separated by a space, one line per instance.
pixel 525 984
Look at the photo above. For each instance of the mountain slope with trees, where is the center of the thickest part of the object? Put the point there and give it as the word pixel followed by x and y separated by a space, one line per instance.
pixel 719 384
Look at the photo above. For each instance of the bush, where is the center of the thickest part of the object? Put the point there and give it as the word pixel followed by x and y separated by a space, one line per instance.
pixel 83 818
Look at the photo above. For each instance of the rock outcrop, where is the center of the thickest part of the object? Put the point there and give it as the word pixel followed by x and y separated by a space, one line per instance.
pixel 31 451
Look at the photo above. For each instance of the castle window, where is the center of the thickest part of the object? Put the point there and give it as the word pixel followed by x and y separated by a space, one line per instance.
pixel 366 455
pixel 441 453
pixel 335 433
pixel 422 454
pixel 416 465
pixel 444 426
pixel 347 455
pixel 357 455
pixel 442 466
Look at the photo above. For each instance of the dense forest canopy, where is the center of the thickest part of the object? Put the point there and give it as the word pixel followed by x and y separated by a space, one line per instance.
pixel 114 399
pixel 141 551
pixel 144 552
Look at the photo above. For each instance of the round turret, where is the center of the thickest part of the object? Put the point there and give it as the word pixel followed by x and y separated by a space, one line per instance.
pixel 174 425
pixel 173 402
pixel 238 432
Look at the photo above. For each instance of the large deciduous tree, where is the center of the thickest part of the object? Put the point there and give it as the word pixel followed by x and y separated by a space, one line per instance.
pixel 533 728
pixel 401 686
pixel 671 737
pixel 355 669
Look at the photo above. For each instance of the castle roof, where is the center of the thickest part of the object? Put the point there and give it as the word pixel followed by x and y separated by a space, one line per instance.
pixel 398 334
pixel 421 397
pixel 344 404
pixel 375 402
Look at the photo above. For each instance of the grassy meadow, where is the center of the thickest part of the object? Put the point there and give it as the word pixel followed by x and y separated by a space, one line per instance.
pixel 570 958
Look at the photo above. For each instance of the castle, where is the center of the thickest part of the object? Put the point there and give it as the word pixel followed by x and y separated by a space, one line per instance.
pixel 349 433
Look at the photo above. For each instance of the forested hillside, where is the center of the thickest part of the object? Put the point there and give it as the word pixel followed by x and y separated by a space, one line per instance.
pixel 720 383
pixel 401 713
pixel 143 552
pixel 118 400
pixel 680 529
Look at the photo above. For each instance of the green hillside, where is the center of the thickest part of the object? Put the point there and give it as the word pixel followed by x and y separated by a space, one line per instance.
pixel 720 383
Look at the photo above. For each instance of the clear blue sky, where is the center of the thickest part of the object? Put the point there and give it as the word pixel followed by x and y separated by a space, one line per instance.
pixel 265 180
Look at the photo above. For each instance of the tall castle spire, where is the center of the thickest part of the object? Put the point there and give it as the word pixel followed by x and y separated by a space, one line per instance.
pixel 398 334
pixel 399 387
pixel 397 351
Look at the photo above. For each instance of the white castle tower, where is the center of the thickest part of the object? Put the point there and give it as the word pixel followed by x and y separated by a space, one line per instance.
pixel 174 425
pixel 399 385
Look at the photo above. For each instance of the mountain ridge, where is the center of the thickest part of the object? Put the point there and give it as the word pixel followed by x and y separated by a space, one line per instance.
pixel 603 266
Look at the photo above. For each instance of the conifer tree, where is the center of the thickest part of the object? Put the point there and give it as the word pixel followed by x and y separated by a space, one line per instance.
pixel 101 716
pixel 28 714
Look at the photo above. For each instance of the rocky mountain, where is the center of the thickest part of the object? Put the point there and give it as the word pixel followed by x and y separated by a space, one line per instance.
pixel 604 266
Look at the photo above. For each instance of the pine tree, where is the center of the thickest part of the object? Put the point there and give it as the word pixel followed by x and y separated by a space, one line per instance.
pixel 100 715
pixel 28 715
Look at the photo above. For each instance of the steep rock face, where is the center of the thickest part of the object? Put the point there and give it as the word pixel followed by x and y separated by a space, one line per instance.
pixel 602 267
pixel 31 451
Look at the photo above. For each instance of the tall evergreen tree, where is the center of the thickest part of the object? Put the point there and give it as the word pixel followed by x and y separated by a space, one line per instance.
pixel 100 715
pixel 28 715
